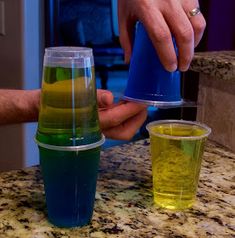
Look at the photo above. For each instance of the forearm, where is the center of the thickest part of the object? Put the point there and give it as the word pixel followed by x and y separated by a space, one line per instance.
pixel 18 106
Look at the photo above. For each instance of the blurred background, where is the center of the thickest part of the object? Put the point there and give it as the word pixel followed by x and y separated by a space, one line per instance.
pixel 27 27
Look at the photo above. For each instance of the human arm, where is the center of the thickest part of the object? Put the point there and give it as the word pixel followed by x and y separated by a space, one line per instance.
pixel 117 121
pixel 18 106
pixel 162 19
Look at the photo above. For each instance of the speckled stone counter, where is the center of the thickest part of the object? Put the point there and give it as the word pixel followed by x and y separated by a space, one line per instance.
pixel 123 206
pixel 219 64
pixel 216 94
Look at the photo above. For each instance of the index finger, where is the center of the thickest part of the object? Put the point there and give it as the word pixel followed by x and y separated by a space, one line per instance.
pixel 119 113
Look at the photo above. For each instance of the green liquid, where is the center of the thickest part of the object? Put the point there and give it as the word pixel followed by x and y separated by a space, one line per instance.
pixel 176 165
pixel 68 112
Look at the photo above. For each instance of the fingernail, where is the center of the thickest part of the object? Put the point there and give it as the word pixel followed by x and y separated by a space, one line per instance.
pixel 184 68
pixel 172 68
pixel 103 98
pixel 127 58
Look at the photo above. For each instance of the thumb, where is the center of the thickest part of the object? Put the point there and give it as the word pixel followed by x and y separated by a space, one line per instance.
pixel 104 98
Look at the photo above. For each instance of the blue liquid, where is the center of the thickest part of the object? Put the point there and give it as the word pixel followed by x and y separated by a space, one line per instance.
pixel 70 185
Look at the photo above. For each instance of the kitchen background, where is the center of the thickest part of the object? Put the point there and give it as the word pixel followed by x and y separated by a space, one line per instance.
pixel 27 26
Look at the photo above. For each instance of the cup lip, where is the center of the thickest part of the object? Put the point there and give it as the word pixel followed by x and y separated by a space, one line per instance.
pixel 185 122
pixel 160 104
pixel 69 49
pixel 68 56
pixel 71 148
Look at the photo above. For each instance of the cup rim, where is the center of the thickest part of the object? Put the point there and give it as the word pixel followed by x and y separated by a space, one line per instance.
pixel 185 122
pixel 160 104
pixel 69 49
pixel 68 56
pixel 71 148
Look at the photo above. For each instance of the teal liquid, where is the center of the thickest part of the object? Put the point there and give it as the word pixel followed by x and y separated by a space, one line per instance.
pixel 70 185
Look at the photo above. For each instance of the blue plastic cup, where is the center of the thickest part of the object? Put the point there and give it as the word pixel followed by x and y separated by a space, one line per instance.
pixel 148 81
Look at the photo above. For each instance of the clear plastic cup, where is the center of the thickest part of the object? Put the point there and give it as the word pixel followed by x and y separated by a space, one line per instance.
pixel 148 81
pixel 68 135
pixel 177 147
pixel 70 175
pixel 68 111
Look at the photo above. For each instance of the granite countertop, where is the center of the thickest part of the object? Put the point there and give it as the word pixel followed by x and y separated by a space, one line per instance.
pixel 220 64
pixel 123 206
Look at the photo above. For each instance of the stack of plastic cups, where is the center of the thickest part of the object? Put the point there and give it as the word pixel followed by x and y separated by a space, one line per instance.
pixel 68 135
pixel 148 81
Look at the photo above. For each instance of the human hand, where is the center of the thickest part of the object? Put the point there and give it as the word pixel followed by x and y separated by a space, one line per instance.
pixel 119 121
pixel 162 19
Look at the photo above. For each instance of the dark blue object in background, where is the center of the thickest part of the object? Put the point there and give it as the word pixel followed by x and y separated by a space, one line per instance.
pixel 148 81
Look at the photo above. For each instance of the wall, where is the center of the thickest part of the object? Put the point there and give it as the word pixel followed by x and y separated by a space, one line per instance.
pixel 32 56
pixel 11 76
pixel 221 25
pixel 217 111
pixel 20 68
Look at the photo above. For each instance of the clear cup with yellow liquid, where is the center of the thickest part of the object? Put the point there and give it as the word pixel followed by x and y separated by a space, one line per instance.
pixel 177 147
pixel 68 112
pixel 68 135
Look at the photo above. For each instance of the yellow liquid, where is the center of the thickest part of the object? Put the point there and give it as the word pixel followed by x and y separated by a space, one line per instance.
pixel 176 165
pixel 68 107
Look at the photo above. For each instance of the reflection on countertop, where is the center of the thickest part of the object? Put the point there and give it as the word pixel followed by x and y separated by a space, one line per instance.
pixel 124 205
